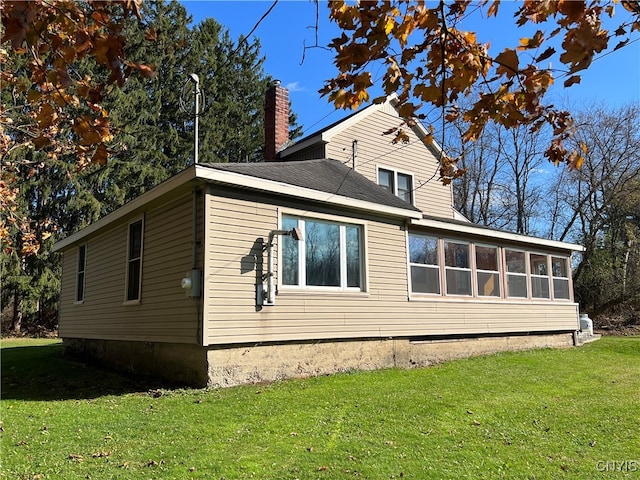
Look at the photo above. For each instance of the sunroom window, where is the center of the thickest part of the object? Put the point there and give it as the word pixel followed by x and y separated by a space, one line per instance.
pixel 330 254
pixel 516 273
pixel 423 260
pixel 457 268
pixel 560 275
pixel 539 276
pixel 487 271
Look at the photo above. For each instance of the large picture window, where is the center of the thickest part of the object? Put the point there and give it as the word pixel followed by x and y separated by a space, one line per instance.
pixel 80 273
pixel 330 254
pixel 134 261
pixel 424 264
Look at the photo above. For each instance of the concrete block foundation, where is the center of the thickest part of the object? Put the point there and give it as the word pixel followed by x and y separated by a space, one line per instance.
pixel 227 366
pixel 179 363
pixel 268 363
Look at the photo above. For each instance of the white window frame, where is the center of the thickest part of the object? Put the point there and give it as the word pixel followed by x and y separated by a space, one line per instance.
pixel 536 276
pixel 81 271
pixel 469 269
pixel 129 261
pixel 567 279
pixel 437 267
pixel 503 275
pixel 476 283
pixel 394 187
pixel 507 273
pixel 342 224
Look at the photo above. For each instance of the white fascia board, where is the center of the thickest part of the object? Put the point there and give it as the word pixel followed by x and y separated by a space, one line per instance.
pixel 285 189
pixel 149 196
pixel 496 234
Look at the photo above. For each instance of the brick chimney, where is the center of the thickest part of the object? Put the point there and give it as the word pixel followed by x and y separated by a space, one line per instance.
pixel 276 120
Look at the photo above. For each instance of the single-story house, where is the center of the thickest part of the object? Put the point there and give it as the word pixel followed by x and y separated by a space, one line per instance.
pixel 340 251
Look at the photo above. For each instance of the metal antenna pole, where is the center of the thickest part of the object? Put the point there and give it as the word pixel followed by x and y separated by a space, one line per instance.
pixel 196 114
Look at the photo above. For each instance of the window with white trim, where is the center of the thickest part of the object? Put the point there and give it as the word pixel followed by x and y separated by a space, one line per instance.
pixel 80 272
pixel 400 184
pixel 516 266
pixel 457 268
pixel 560 276
pixel 487 271
pixel 424 264
pixel 539 275
pixel 329 255
pixel 134 261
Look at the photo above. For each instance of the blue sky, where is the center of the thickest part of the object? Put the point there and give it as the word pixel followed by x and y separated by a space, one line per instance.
pixel 613 79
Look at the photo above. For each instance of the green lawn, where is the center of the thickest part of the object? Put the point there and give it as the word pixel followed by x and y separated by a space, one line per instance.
pixel 543 414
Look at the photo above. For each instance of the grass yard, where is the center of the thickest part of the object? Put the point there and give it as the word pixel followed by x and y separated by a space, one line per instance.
pixel 543 414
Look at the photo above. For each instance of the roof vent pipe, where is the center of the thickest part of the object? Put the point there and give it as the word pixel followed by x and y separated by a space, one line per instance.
pixel 354 153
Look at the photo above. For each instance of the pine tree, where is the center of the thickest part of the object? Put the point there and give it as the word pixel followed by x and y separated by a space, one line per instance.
pixel 153 140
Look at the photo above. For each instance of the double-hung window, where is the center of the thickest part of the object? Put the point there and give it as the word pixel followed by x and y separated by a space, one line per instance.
pixel 424 263
pixel 487 271
pixel 560 274
pixel 539 276
pixel 400 184
pixel 329 254
pixel 457 266
pixel 80 273
pixel 134 261
pixel 515 261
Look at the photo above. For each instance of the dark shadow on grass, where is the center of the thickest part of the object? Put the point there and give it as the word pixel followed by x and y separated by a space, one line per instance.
pixel 43 373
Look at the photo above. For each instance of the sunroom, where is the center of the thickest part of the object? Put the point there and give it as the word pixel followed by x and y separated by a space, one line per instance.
pixel 450 259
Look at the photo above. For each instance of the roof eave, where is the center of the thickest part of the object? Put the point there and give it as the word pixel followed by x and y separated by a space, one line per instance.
pixel 147 197
pixel 495 234
pixel 280 188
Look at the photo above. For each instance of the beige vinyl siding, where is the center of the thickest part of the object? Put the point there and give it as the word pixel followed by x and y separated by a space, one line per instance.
pixel 235 263
pixel 164 313
pixel 376 149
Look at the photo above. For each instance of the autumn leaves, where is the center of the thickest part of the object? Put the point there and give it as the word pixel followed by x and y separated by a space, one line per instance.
pixel 444 63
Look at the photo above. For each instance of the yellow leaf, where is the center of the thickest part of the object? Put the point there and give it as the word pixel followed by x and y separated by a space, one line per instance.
pixel 583 147
pixel 535 42
pixel 389 23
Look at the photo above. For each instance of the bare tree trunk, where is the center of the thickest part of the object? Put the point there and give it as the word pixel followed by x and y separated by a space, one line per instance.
pixel 16 323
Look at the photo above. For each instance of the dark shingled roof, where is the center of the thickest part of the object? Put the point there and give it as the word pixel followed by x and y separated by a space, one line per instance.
pixel 330 176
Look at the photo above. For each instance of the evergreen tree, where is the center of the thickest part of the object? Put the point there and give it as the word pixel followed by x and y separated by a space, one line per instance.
pixel 153 140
